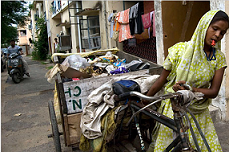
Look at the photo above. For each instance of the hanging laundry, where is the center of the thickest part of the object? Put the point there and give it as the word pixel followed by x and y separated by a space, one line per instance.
pixel 135 19
pixel 153 29
pixel 146 20
pixel 116 30
pixel 111 19
pixel 124 30
pixel 142 37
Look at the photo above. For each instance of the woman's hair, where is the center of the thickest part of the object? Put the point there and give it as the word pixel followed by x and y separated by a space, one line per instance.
pixel 220 16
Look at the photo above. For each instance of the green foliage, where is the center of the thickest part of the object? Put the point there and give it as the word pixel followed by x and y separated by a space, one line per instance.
pixel 12 13
pixel 7 35
pixel 31 7
pixel 50 67
pixel 49 56
pixel 41 45
pixel 35 55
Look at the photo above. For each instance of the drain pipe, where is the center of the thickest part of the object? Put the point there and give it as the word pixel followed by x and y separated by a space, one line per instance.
pixel 105 16
pixel 78 25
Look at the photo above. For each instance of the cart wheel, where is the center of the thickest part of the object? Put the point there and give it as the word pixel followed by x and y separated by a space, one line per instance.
pixel 55 130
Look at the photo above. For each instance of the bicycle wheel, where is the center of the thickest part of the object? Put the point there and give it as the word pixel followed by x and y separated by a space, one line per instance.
pixel 55 130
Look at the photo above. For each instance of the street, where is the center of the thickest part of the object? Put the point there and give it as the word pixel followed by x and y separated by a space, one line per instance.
pixel 24 114
pixel 25 117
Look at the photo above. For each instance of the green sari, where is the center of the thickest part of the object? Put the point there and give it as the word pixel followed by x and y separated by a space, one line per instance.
pixel 187 61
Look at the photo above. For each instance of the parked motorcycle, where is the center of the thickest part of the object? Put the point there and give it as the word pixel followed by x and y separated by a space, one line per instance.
pixel 15 67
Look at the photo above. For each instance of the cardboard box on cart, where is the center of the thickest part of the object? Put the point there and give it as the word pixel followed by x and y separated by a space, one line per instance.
pixel 76 93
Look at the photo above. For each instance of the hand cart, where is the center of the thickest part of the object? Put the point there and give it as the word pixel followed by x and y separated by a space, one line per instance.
pixel 71 108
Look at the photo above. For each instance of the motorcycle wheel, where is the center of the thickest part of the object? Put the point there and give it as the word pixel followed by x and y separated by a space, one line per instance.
pixel 16 78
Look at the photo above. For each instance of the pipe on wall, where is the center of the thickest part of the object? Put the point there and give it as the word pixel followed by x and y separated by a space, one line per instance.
pixel 106 27
pixel 78 25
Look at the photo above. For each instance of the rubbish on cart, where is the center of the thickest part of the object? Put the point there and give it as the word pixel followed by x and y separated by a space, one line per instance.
pixel 139 66
pixel 84 54
pixel 119 70
pixel 120 62
pixel 51 74
pixel 76 62
pixel 72 73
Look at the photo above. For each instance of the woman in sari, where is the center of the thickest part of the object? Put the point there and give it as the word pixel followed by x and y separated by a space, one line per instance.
pixel 200 65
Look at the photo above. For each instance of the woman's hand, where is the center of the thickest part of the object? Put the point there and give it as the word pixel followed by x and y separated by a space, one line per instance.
pixel 179 86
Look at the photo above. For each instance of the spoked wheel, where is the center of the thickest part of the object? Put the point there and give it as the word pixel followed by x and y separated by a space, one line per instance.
pixel 55 130
pixel 16 78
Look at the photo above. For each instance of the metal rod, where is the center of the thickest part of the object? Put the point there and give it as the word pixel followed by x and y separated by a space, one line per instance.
pixel 158 117
pixel 142 110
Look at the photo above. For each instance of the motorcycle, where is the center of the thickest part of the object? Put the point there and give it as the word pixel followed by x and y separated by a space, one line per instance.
pixel 15 67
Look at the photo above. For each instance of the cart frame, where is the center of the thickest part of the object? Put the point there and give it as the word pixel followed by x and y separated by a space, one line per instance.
pixel 65 120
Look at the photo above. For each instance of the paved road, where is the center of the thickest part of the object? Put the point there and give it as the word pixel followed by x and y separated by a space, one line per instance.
pixel 28 132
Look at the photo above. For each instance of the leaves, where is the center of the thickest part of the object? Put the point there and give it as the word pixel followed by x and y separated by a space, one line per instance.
pixel 41 46
pixel 12 13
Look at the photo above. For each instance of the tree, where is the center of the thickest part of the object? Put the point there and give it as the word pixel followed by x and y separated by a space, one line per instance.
pixel 12 13
pixel 41 45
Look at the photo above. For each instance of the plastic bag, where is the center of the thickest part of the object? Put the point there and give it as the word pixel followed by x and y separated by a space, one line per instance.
pixel 127 65
pixel 76 62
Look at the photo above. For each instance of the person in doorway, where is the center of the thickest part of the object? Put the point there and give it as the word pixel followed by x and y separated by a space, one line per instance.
pixel 56 46
pixel 201 65
pixel 16 49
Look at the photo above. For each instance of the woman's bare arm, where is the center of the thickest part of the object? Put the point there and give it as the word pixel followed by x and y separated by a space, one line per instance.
pixel 159 83
pixel 212 92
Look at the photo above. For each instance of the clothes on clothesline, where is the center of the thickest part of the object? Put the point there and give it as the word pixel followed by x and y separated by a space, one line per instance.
pixel 146 20
pixel 124 30
pixel 135 19
pixel 111 19
pixel 131 23
pixel 152 19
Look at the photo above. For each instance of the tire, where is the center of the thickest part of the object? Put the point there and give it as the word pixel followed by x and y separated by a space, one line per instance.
pixel 16 78
pixel 55 130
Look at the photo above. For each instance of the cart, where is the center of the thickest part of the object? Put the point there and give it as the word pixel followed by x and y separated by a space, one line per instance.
pixel 70 110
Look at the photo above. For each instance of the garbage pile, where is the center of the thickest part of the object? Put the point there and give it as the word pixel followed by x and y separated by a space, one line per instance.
pixel 76 67
pixel 109 64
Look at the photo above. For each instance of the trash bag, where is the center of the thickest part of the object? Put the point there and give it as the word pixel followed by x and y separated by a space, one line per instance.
pixel 76 62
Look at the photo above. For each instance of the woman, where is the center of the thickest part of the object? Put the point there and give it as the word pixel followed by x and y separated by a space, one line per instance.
pixel 201 66
pixel 56 46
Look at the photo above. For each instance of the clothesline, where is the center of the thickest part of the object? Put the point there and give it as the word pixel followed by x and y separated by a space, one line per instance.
pixel 130 24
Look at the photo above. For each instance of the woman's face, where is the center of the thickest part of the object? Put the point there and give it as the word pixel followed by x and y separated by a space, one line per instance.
pixel 216 32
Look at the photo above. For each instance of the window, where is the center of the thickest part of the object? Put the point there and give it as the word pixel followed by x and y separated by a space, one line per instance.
pixel 90 32
pixel 22 32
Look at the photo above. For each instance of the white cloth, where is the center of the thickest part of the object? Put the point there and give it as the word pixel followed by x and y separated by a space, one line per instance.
pixel 188 96
pixel 51 74
pixel 111 19
pixel 101 99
